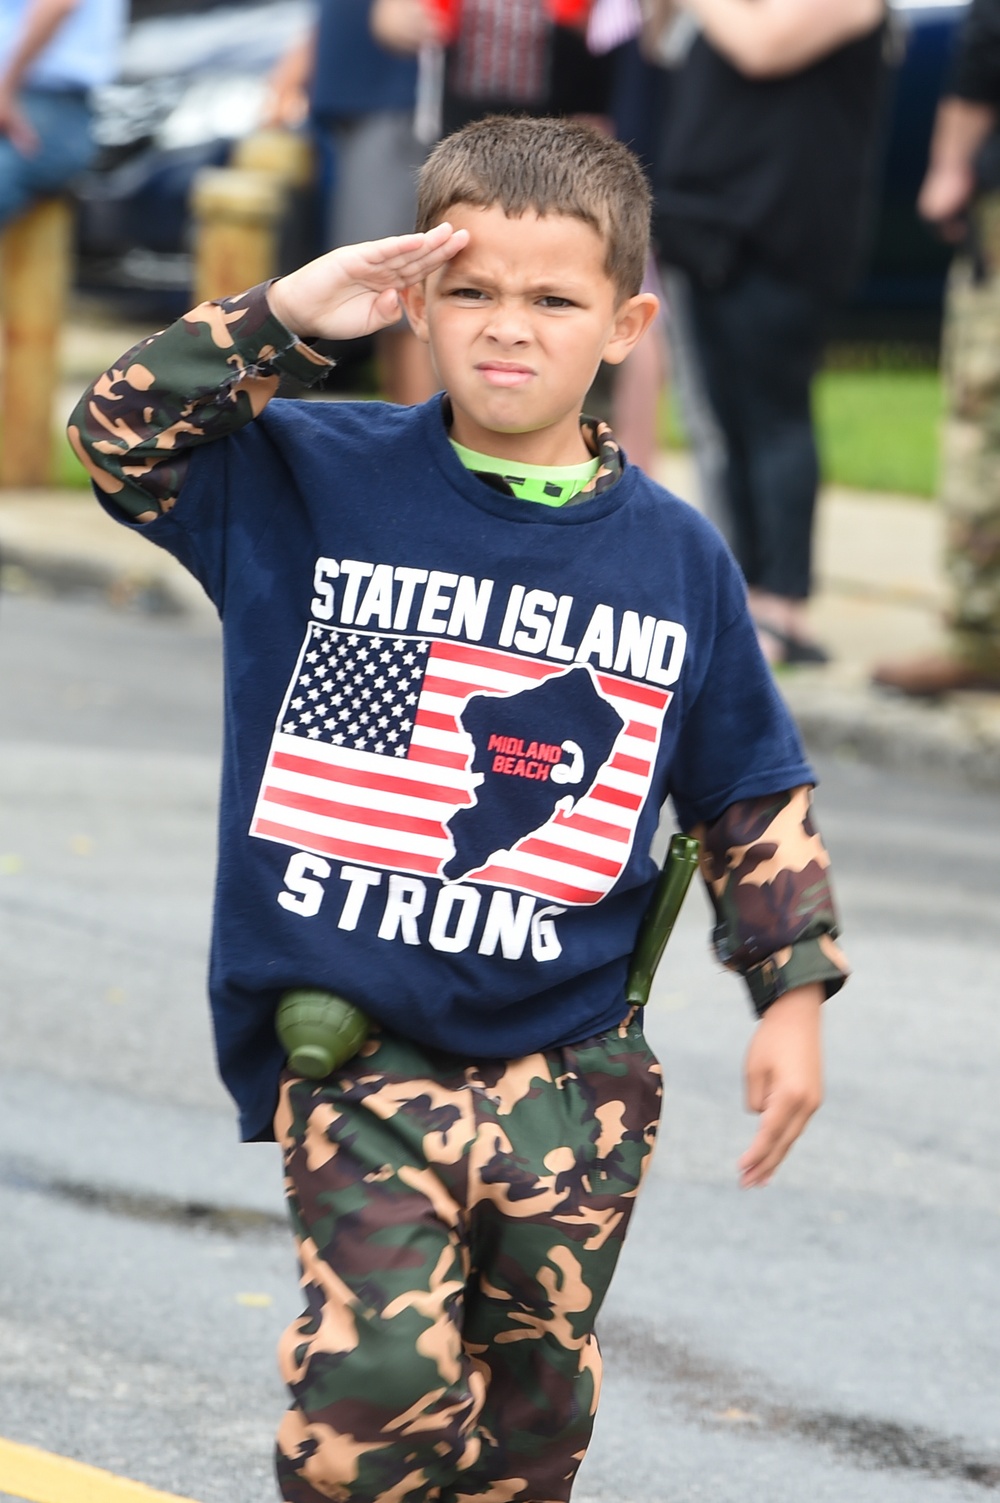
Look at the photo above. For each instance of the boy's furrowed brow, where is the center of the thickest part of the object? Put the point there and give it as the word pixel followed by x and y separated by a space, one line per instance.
pixel 464 276
pixel 565 287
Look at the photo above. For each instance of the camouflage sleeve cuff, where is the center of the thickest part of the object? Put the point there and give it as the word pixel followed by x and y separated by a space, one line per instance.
pixel 203 378
pixel 807 961
pixel 272 344
pixel 767 873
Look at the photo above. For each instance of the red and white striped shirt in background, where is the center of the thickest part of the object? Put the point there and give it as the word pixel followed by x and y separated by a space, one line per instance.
pixel 501 51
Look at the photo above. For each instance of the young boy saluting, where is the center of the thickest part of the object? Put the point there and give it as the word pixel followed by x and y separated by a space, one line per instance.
pixel 469 653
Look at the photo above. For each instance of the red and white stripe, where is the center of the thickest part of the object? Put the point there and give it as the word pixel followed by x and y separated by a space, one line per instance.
pixel 393 812
pixel 577 857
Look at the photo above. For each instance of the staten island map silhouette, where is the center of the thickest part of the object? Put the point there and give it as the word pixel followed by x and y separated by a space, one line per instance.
pixel 520 740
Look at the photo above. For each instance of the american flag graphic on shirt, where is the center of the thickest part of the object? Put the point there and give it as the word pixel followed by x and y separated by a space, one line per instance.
pixel 369 762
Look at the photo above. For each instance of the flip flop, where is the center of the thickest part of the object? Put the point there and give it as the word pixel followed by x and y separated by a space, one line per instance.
pixel 794 652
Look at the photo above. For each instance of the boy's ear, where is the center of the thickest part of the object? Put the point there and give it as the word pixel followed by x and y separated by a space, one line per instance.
pixel 414 300
pixel 632 320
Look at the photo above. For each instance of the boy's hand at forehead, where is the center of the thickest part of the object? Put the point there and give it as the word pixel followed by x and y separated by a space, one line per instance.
pixel 353 291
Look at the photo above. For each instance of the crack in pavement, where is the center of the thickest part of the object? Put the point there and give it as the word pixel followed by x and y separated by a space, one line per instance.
pixel 712 1394
pixel 230 1221
pixel 715 1395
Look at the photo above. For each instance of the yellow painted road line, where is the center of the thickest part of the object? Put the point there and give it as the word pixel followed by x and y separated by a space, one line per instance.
pixel 40 1477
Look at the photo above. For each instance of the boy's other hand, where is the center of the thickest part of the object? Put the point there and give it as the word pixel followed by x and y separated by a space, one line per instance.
pixel 353 291
pixel 784 1079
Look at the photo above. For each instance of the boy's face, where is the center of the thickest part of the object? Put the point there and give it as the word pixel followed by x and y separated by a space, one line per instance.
pixel 518 323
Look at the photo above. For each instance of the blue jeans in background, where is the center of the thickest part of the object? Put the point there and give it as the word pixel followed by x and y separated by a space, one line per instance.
pixel 66 146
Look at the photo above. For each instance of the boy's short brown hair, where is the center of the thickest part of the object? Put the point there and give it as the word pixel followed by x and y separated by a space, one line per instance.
pixel 553 167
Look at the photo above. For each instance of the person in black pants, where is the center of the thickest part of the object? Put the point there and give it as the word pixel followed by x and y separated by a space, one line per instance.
pixel 763 176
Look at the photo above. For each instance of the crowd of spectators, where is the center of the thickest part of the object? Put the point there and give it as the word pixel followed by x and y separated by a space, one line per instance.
pixel 758 122
pixel 758 126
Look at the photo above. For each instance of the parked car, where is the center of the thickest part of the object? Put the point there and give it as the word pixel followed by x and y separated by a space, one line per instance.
pixel 193 82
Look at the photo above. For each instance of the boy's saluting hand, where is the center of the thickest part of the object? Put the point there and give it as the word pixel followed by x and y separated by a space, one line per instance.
pixel 353 291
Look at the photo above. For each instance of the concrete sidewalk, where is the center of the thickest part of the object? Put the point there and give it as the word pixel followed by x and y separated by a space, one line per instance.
pixel 880 594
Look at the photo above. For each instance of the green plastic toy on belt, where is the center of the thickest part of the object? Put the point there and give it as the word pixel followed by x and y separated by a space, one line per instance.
pixel 321 1031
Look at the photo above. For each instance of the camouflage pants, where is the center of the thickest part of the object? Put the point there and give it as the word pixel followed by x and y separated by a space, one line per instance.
pixel 970 461
pixel 457 1227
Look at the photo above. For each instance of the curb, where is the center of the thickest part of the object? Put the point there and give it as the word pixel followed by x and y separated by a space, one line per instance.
pixel 955 739
pixel 154 591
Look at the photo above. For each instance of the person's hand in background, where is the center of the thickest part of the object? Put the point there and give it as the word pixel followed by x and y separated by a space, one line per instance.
pixel 39 23
pixel 774 38
pixel 287 100
pixel 14 123
pixel 406 25
pixel 960 128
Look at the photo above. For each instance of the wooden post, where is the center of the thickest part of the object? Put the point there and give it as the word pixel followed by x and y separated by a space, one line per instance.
pixel 34 279
pixel 238 211
pixel 237 218
pixel 283 153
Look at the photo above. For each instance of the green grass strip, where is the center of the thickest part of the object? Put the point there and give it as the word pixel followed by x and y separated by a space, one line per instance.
pixel 878 430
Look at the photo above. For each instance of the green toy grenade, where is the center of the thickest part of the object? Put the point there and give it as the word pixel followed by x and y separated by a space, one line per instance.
pixel 319 1031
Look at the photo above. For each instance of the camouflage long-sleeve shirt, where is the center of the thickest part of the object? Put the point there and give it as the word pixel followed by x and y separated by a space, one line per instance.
pixel 212 372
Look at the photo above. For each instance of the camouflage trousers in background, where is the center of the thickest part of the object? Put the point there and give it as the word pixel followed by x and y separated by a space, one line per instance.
pixel 970 458
pixel 457 1228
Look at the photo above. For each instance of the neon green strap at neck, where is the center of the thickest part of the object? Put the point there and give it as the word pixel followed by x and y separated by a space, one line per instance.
pixel 547 485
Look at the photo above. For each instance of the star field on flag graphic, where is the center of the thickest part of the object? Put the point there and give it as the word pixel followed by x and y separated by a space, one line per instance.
pixel 370 762
pixel 358 692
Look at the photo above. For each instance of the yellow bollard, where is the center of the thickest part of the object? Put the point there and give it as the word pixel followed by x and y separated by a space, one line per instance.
pixel 34 279
pixel 284 153
pixel 237 216
pixel 239 211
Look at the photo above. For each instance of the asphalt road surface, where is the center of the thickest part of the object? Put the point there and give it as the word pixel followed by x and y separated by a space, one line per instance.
pixel 835 1337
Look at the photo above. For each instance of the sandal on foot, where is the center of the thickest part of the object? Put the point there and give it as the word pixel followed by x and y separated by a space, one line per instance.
pixel 792 651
